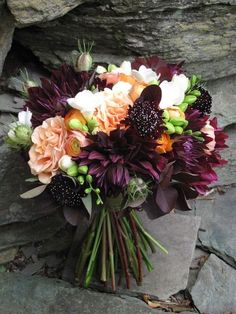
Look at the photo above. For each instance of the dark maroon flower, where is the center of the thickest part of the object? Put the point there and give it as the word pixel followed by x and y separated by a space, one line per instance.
pixel 145 116
pixel 49 100
pixel 113 159
pixel 196 121
pixel 158 65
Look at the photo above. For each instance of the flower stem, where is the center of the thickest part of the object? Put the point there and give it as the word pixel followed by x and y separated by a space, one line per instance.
pixel 104 252
pixel 96 244
pixel 111 253
pixel 136 242
pixel 148 236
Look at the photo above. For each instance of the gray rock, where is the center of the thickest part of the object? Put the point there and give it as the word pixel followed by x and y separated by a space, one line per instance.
pixel 47 296
pixel 224 100
pixel 184 30
pixel 218 228
pixel 7 26
pixel 214 291
pixel 198 260
pixel 32 11
pixel 13 172
pixel 22 233
pixel 9 103
pixel 8 255
pixel 178 234
pixel 227 174
pixel 5 120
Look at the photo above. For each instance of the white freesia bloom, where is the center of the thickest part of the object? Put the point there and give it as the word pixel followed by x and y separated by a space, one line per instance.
pixel 173 92
pixel 145 74
pixel 124 68
pixel 24 117
pixel 122 87
pixel 86 102
pixel 100 69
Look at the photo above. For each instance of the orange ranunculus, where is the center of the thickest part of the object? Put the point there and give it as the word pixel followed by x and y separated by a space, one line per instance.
pixel 48 148
pixel 164 144
pixel 74 142
pixel 136 91
pixel 127 78
pixel 74 114
pixel 113 110
pixel 175 112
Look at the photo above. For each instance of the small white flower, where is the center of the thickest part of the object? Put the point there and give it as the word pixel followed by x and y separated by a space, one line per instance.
pixel 65 162
pixel 145 74
pixel 100 69
pixel 122 87
pixel 124 68
pixel 86 102
pixel 24 117
pixel 173 92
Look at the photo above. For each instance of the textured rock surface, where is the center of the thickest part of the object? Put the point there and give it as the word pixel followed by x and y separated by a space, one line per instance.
pixel 218 227
pixel 214 291
pixel 224 99
pixel 7 255
pixel 178 233
pixel 9 103
pixel 33 11
pixel 46 296
pixel 7 26
pixel 227 174
pixel 201 32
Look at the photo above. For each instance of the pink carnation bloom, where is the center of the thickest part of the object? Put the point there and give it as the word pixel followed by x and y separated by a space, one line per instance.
pixel 48 148
pixel 209 130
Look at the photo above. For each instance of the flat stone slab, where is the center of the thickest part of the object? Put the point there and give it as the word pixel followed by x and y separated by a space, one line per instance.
pixel 9 103
pixel 218 227
pixel 178 234
pixel 13 173
pixel 8 255
pixel 26 295
pixel 227 173
pixel 224 99
pixel 214 291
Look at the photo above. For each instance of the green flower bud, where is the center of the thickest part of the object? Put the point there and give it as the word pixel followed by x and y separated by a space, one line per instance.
pixel 88 190
pixel 178 121
pixel 188 132
pixel 89 178
pixel 178 130
pixel 190 99
pixel 92 124
pixel 72 171
pixel 197 133
pixel 75 124
pixel 97 190
pixel 189 85
pixel 195 92
pixel 193 80
pixel 83 169
pixel 183 107
pixel 84 62
pixel 81 180
pixel 98 201
pixel 170 128
pixel 166 115
pixel 111 67
pixel 19 135
pixel 154 82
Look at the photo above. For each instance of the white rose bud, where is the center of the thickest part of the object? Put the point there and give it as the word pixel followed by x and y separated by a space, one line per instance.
pixel 66 162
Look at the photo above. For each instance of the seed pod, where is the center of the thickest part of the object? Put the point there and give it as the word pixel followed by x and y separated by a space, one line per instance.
pixel 72 171
pixel 83 169
pixel 80 180
pixel 166 115
pixel 75 124
pixel 190 99
pixel 89 178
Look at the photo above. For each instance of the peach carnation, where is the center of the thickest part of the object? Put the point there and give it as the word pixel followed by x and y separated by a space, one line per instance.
pixel 48 148
pixel 113 109
pixel 209 130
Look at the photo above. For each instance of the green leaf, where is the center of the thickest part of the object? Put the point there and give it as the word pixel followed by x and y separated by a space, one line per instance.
pixel 34 192
pixel 87 201
pixel 33 179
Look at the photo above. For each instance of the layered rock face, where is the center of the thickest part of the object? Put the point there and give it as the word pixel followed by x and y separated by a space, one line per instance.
pixel 201 32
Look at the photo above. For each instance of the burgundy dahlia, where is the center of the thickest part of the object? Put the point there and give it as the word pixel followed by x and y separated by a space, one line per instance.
pixel 113 159
pixel 145 116
pixel 158 65
pixel 49 100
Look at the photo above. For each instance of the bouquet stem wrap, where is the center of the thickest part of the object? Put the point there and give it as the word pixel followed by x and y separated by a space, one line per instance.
pixel 115 243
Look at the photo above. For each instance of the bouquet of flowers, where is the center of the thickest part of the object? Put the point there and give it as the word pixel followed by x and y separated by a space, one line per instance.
pixel 109 142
